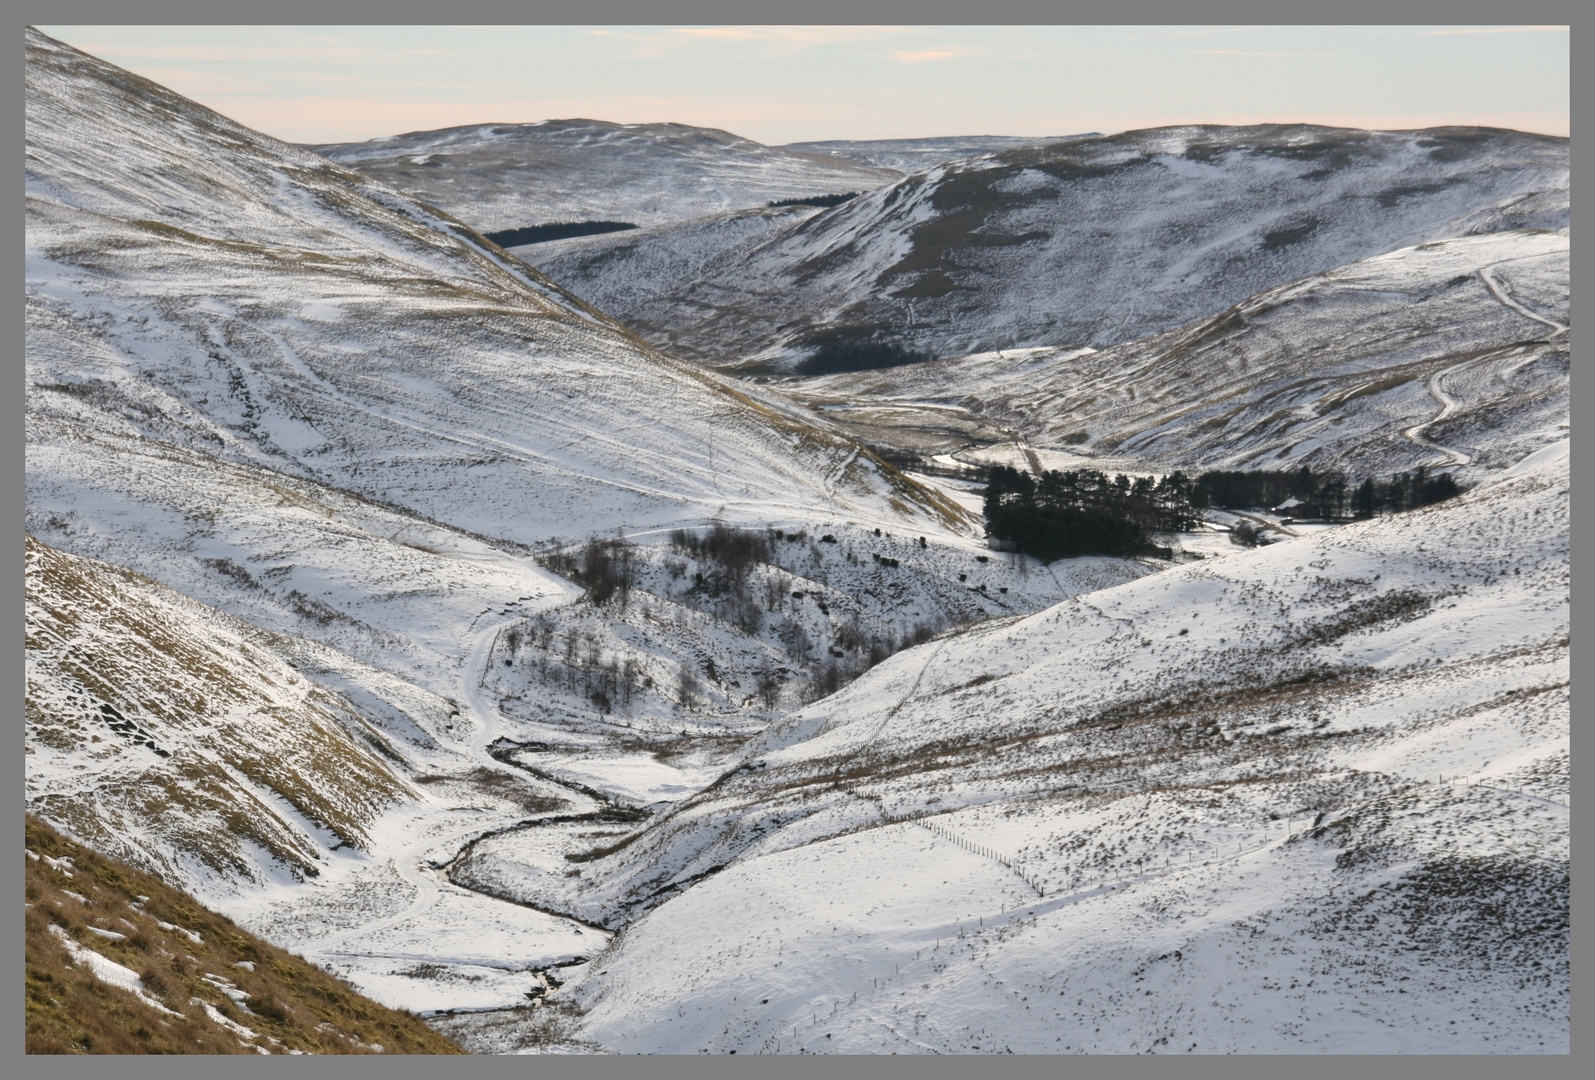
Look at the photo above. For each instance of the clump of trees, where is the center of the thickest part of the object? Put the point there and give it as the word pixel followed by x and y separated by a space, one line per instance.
pixel 1326 494
pixel 1403 491
pixel 1085 512
pixel 605 568
pixel 1319 494
pixel 815 200
pixel 574 659
pixel 736 550
pixel 732 575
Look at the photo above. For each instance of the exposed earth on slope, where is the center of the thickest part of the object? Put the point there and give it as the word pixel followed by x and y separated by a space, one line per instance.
pixel 108 973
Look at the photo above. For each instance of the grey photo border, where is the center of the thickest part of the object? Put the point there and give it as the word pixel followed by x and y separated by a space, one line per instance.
pixel 938 12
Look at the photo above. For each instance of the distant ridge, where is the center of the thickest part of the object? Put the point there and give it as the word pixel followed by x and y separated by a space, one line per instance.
pixel 1092 241
pixel 914 155
pixel 499 176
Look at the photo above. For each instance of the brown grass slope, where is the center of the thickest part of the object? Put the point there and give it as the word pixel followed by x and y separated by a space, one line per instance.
pixel 291 1005
pixel 164 732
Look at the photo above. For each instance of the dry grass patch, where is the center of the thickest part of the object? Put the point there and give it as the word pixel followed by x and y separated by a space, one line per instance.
pixel 186 957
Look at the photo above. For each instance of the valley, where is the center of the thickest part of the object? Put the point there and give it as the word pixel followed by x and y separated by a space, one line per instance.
pixel 595 646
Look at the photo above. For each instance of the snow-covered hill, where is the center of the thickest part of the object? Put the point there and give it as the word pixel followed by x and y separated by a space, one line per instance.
pixel 504 176
pixel 371 385
pixel 917 155
pixel 351 427
pixel 428 622
pixel 289 785
pixel 675 251
pixel 1451 353
pixel 1298 799
pixel 1090 242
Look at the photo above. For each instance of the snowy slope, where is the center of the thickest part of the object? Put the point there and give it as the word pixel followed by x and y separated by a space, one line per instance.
pixel 207 306
pixel 1297 799
pixel 612 266
pixel 160 730
pixel 212 753
pixel 503 176
pixel 314 404
pixel 1450 353
pixel 917 155
pixel 1094 241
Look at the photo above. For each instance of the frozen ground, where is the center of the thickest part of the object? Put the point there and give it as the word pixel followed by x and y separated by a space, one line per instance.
pixel 314 405
pixel 296 395
pixel 917 155
pixel 193 744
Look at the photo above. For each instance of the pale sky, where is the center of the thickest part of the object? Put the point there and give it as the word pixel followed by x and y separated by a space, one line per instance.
pixel 791 84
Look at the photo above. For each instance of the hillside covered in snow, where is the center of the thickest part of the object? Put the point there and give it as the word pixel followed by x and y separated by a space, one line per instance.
pixel 506 176
pixel 1302 799
pixel 320 436
pixel 405 604
pixel 1093 241
pixel 277 386
pixel 917 155
pixel 1453 353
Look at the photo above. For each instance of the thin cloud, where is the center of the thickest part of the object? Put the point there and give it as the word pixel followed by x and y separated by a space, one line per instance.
pixel 1496 30
pixel 193 81
pixel 1248 52
pixel 1206 32
pixel 252 52
pixel 923 55
pixel 808 35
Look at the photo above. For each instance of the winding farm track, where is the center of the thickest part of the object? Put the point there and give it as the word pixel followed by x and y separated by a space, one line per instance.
pixel 1502 295
pixel 1448 405
pixel 1436 382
